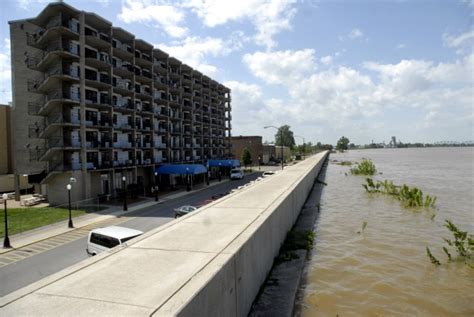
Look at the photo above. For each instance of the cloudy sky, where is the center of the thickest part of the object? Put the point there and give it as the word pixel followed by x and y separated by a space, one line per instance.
pixel 365 69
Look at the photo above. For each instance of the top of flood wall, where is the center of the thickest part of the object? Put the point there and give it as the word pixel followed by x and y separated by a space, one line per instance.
pixel 190 266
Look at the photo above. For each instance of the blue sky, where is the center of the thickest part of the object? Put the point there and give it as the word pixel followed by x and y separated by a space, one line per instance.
pixel 364 69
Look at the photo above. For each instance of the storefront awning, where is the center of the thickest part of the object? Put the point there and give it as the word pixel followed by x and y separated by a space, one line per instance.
pixel 181 169
pixel 224 163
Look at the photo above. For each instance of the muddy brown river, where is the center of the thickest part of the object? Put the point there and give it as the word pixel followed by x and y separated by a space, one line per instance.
pixel 384 269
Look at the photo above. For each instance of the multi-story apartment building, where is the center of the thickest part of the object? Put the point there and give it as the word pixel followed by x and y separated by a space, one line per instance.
pixel 94 103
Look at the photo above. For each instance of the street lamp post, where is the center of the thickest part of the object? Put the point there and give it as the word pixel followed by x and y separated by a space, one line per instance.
pixel 26 189
pixel 6 242
pixel 220 176
pixel 124 185
pixel 281 140
pixel 298 136
pixel 69 187
pixel 188 184
pixel 155 187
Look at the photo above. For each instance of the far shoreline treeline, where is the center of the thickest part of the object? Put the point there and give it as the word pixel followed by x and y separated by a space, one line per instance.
pixel 409 145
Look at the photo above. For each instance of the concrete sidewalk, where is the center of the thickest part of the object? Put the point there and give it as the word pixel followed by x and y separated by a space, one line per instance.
pixel 35 235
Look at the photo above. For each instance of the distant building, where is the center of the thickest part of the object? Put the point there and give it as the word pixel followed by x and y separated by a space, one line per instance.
pixel 253 143
pixel 5 140
pixel 286 152
pixel 7 178
pixel 268 153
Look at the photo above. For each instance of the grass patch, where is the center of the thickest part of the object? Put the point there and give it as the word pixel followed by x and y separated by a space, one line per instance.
pixel 24 219
pixel 366 167
pixel 295 240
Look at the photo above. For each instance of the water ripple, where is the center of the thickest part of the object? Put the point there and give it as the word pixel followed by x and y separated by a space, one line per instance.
pixel 383 270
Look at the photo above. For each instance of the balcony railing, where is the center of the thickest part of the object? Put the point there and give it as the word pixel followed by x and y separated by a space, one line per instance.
pixel 122 144
pixel 35 38
pixel 59 94
pixel 34 85
pixel 123 163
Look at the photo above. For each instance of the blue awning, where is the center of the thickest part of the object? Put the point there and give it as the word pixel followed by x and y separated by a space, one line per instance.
pixel 224 163
pixel 181 169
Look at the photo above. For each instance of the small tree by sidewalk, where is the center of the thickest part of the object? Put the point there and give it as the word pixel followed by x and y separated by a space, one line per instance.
pixel 246 157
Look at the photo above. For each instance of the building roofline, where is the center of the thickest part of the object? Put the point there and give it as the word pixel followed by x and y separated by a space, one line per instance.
pixel 48 6
pixel 245 136
pixel 96 16
pixel 127 33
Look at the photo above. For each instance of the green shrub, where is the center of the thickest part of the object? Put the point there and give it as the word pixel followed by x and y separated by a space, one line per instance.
pixel 409 196
pixel 366 167
pixel 344 163
pixel 463 244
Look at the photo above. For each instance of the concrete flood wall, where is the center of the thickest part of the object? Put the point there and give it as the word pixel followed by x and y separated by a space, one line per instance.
pixel 208 263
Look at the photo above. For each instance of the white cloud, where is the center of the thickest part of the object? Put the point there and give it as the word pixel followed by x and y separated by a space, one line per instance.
pixel 339 53
pixel 251 112
pixel 416 75
pixel 268 17
pixel 194 51
pixel 164 16
pixel 462 43
pixel 247 108
pixel 326 60
pixel 469 3
pixel 346 98
pixel 271 19
pixel 104 3
pixel 334 95
pixel 215 12
pixel 401 45
pixel 26 4
pixel 355 34
pixel 281 66
pixel 5 73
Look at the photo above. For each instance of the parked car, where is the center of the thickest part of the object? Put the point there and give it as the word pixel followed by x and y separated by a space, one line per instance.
pixel 236 174
pixel 183 210
pixel 268 173
pixel 103 239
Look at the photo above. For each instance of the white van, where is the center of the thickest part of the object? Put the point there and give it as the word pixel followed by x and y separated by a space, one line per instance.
pixel 103 239
pixel 236 174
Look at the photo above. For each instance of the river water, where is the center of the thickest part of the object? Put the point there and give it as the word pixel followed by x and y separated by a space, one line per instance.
pixel 384 270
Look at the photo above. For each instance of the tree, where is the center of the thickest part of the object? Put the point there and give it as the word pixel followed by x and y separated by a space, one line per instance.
pixel 342 144
pixel 284 137
pixel 246 157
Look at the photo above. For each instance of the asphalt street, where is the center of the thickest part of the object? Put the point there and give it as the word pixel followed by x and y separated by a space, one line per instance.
pixel 24 272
